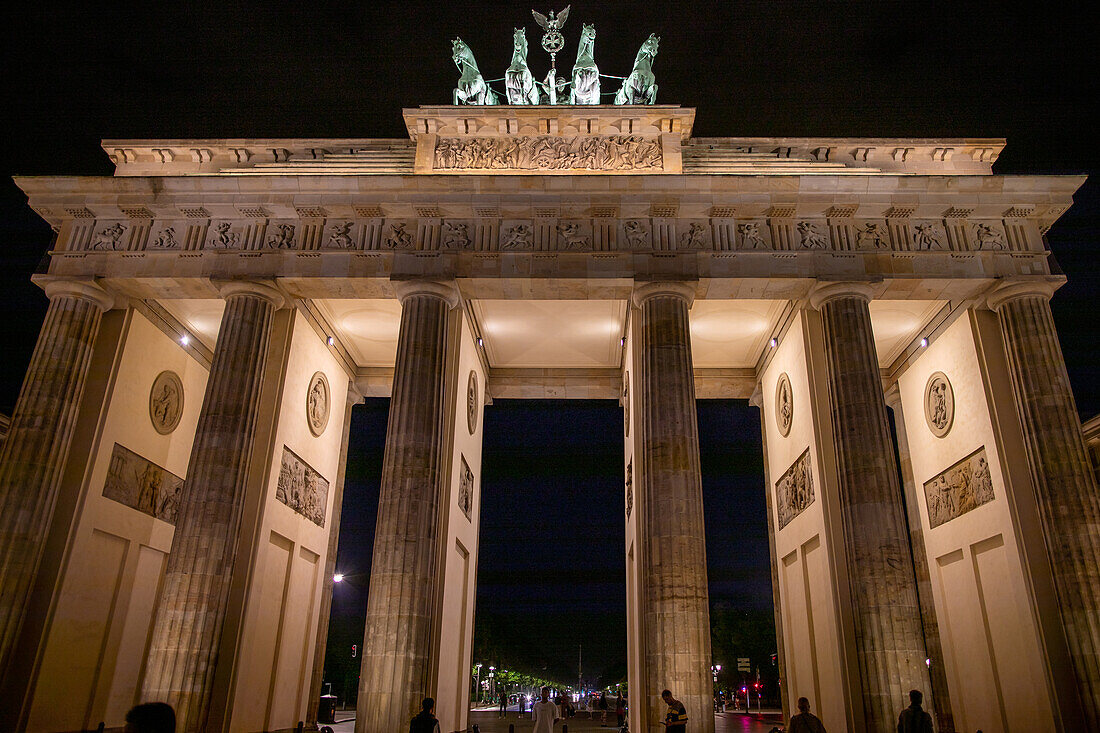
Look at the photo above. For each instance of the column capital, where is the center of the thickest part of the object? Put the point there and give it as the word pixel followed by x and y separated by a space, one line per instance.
pixel 255 288
pixel 447 290
pixel 84 289
pixel 823 292
pixel 1010 289
pixel 893 397
pixel 757 397
pixel 675 288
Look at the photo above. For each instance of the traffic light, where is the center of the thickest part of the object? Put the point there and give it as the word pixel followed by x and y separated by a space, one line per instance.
pixel 354 648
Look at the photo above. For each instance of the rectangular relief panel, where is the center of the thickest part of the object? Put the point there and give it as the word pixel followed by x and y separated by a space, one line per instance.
pixel 301 488
pixel 143 485
pixel 964 486
pixel 794 491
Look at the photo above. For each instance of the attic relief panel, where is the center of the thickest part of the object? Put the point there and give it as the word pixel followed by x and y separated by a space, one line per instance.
pixel 548 153
pixel 794 491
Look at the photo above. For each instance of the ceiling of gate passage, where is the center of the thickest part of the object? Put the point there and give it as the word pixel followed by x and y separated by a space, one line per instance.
pixel 573 334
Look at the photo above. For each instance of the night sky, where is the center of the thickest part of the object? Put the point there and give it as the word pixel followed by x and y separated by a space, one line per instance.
pixel 551 563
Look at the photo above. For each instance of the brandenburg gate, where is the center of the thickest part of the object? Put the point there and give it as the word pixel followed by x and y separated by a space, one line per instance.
pixel 172 481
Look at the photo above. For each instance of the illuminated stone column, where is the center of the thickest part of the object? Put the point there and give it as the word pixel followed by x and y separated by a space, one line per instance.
pixel 396 670
pixel 37 446
pixel 937 671
pixel 1065 486
pixel 890 651
pixel 191 611
pixel 675 610
pixel 354 398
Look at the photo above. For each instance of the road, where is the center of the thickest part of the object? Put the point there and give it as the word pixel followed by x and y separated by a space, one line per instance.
pixel 490 722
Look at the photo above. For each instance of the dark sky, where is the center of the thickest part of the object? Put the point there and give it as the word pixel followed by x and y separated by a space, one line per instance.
pixel 77 73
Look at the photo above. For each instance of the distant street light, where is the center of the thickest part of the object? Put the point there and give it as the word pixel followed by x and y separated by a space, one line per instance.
pixel 338 578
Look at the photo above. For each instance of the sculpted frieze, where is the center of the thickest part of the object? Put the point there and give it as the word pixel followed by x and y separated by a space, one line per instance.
pixel 466 490
pixel 811 235
pixel 456 235
pixel 693 236
pixel 636 234
pixel 573 236
pixel 169 236
pixel 302 488
pixel 963 487
pixel 750 235
pixel 281 236
pixel 545 152
pixel 398 237
pixel 988 236
pixel 339 235
pixel 928 235
pixel 110 237
pixel 517 238
pixel 224 237
pixel 794 491
pixel 140 484
pixel 872 235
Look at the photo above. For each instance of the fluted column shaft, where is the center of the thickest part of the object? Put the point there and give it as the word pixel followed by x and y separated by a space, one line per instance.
pixel 34 454
pixel 890 649
pixel 191 611
pixel 1065 487
pixel 937 672
pixel 676 611
pixel 396 667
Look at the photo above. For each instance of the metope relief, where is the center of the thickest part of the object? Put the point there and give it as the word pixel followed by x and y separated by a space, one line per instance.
pixel 573 236
pixel 988 236
pixel 693 236
pixel 517 237
pixel 168 237
pixel 784 405
pixel 811 236
pixel 603 153
pixel 928 235
pixel 398 236
pixel 872 235
pixel 143 485
pixel 281 236
pixel 750 235
pixel 166 402
pixel 939 404
pixel 224 237
pixel 340 235
pixel 456 235
pixel 963 487
pixel 794 491
pixel 471 402
pixel 109 237
pixel 636 234
pixel 466 489
pixel 317 403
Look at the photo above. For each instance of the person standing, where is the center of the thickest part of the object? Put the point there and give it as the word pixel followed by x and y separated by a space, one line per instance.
pixel 805 721
pixel 620 708
pixel 914 719
pixel 544 713
pixel 676 718
pixel 603 708
pixel 503 705
pixel 425 721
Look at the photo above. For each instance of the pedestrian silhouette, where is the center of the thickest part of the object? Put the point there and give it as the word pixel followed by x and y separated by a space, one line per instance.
pixel 914 719
pixel 151 717
pixel 425 721
pixel 805 721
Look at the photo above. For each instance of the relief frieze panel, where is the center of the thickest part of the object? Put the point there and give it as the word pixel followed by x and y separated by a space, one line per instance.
pixel 302 488
pixel 168 235
pixel 794 491
pixel 963 487
pixel 549 153
pixel 140 484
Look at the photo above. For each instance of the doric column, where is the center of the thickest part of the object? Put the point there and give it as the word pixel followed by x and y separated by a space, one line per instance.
pixel 354 398
pixel 675 610
pixel 890 650
pixel 183 650
pixel 37 446
pixel 396 670
pixel 937 671
pixel 757 401
pixel 1065 487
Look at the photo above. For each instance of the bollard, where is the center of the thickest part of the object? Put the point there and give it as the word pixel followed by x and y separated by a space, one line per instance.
pixel 511 728
pixel 565 728
pixel 300 727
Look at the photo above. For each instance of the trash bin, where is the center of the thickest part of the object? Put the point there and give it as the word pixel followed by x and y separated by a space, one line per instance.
pixel 326 711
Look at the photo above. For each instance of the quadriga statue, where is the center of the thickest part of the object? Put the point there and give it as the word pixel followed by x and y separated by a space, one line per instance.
pixel 518 81
pixel 586 76
pixel 641 86
pixel 472 88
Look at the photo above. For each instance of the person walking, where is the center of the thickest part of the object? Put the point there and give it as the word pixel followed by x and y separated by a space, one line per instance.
pixel 620 708
pixel 676 718
pixel 805 721
pixel 914 719
pixel 503 705
pixel 544 713
pixel 603 709
pixel 425 721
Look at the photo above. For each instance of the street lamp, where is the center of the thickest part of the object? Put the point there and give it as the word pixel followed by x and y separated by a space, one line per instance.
pixel 477 688
pixel 338 578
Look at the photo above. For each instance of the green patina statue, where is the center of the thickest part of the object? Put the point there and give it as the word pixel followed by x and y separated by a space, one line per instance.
pixel 521 87
pixel 471 88
pixel 641 86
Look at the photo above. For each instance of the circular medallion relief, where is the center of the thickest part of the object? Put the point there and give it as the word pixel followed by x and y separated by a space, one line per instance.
pixel 939 404
pixel 784 405
pixel 471 402
pixel 166 402
pixel 317 403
